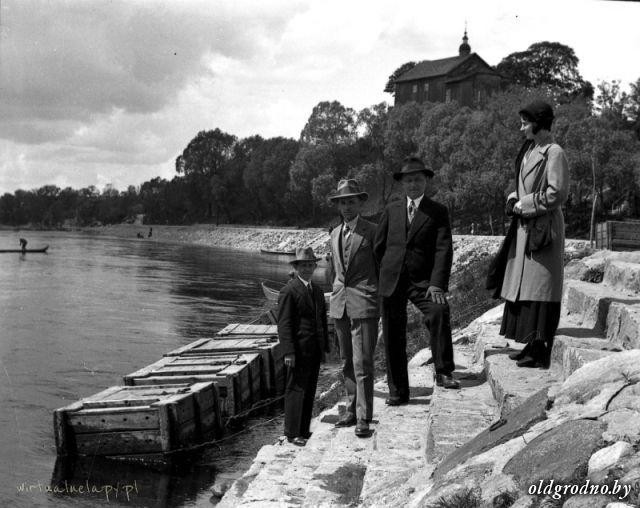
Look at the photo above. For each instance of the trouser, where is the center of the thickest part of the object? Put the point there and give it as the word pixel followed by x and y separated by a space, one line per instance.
pixel 357 339
pixel 299 395
pixel 394 328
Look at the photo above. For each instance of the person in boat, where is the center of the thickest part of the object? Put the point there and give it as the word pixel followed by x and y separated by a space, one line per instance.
pixel 354 302
pixel 23 245
pixel 303 337
pixel 415 250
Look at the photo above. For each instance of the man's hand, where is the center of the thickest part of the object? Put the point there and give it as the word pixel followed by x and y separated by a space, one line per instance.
pixel 290 360
pixel 437 295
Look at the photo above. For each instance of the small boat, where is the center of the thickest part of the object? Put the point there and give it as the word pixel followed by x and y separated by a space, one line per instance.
pixel 31 251
pixel 271 293
pixel 278 252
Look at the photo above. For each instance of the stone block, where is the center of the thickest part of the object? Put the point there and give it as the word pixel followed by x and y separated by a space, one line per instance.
pixel 622 424
pixel 623 325
pixel 531 411
pixel 560 454
pixel 587 501
pixel 511 384
pixel 570 353
pixel 622 275
pixel 627 398
pixel 608 457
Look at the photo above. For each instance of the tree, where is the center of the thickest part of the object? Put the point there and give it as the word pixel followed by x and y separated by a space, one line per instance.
pixel 390 87
pixel 330 123
pixel 546 64
pixel 204 163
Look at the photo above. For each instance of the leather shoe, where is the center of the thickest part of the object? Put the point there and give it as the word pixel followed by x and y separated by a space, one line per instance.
pixel 447 382
pixel 516 355
pixel 346 421
pixel 362 429
pixel 527 361
pixel 298 441
pixel 396 401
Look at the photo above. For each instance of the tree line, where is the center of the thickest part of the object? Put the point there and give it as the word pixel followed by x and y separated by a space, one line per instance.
pixel 221 178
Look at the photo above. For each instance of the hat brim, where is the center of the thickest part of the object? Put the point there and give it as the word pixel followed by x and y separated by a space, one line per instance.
pixel 335 197
pixel 399 174
pixel 296 261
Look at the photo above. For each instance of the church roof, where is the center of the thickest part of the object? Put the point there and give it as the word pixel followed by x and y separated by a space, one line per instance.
pixel 432 68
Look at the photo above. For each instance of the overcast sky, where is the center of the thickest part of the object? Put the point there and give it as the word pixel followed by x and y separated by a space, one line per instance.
pixel 96 92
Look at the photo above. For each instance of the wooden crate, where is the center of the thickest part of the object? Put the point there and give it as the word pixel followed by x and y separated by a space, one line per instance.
pixel 618 235
pixel 241 329
pixel 128 420
pixel 237 377
pixel 267 347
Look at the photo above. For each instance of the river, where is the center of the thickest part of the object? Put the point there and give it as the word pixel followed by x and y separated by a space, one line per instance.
pixel 75 320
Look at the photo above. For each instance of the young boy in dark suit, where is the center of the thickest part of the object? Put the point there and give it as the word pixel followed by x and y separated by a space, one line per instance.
pixel 302 331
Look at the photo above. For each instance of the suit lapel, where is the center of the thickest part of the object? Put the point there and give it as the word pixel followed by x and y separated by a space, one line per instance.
pixel 356 240
pixel 535 162
pixel 418 220
pixel 302 290
pixel 337 244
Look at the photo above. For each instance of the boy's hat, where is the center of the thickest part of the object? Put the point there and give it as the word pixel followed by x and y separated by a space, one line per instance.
pixel 304 254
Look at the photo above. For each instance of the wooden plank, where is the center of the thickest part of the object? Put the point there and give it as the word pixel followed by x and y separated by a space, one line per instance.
pixel 237 329
pixel 191 345
pixel 117 419
pixel 119 443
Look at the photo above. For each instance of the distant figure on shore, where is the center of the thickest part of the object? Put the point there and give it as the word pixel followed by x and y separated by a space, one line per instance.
pixel 140 235
pixel 532 283
pixel 414 248
pixel 354 303
pixel 303 336
pixel 150 232
pixel 23 245
pixel 473 228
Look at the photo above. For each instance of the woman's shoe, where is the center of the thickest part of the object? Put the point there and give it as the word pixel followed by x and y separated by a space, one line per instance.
pixel 527 361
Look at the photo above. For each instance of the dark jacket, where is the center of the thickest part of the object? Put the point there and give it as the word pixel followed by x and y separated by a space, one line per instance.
pixel 425 251
pixel 302 326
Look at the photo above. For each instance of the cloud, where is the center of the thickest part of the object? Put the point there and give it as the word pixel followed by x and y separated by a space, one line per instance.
pixel 65 62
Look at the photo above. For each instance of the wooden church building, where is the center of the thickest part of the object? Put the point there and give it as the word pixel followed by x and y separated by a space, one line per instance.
pixel 465 78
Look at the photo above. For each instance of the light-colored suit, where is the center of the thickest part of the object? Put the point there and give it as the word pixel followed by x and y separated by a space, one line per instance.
pixel 354 306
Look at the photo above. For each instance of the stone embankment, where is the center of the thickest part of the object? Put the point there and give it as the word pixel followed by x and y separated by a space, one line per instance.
pixel 510 437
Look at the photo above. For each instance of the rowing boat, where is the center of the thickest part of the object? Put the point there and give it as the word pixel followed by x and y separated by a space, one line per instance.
pixel 271 293
pixel 278 252
pixel 31 251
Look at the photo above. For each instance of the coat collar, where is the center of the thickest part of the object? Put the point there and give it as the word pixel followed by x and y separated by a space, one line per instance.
pixel 538 154
pixel 356 240
pixel 301 289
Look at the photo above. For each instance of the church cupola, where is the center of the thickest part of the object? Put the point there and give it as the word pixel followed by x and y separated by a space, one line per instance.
pixel 465 49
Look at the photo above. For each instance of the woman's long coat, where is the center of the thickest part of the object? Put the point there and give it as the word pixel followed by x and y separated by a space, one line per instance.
pixel 537 276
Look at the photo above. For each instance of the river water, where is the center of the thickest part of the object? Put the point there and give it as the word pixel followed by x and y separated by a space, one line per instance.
pixel 75 320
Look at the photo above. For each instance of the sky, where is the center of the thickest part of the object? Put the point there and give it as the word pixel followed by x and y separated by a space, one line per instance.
pixel 109 92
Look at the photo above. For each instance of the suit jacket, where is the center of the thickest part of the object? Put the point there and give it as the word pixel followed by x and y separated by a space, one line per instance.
pixel 425 251
pixel 354 280
pixel 302 322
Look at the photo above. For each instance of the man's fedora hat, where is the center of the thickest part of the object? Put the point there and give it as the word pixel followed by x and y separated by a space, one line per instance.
pixel 347 188
pixel 412 165
pixel 304 254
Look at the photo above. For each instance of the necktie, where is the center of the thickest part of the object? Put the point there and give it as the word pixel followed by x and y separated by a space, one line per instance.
pixel 346 243
pixel 310 290
pixel 412 211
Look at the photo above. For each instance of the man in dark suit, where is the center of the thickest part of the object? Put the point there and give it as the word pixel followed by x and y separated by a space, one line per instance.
pixel 414 248
pixel 302 332
pixel 354 303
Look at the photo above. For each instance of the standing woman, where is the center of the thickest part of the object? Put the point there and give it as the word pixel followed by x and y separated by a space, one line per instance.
pixel 532 285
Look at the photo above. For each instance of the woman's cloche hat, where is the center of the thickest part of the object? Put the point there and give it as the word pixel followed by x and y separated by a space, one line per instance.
pixel 304 254
pixel 348 187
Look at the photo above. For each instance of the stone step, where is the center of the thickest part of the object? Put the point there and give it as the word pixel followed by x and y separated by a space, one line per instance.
pixel 573 347
pixel 587 304
pixel 623 325
pixel 456 416
pixel 623 275
pixel 511 384
pixel 399 444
